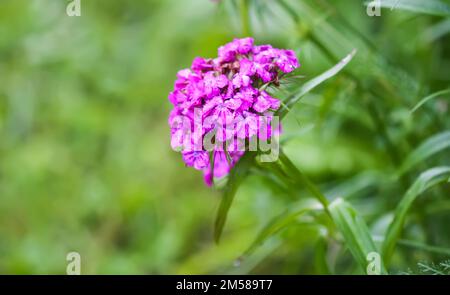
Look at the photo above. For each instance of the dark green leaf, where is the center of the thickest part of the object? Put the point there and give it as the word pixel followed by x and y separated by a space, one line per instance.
pixel 434 7
pixel 426 180
pixel 354 230
pixel 429 97
pixel 282 221
pixel 427 149
pixel 236 176
pixel 313 83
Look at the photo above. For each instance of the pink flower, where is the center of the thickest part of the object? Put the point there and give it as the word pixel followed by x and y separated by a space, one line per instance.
pixel 225 90
pixel 197 159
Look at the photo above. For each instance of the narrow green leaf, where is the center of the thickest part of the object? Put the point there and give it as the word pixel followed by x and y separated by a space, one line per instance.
pixel 245 266
pixel 353 186
pixel 355 232
pixel 425 247
pixel 436 31
pixel 433 7
pixel 427 98
pixel 282 221
pixel 416 245
pixel 320 257
pixel 236 176
pixel 426 180
pixel 300 178
pixel 425 150
pixel 245 17
pixel 313 83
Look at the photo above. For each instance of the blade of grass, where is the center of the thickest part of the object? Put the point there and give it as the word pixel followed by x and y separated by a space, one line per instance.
pixel 245 266
pixel 236 176
pixel 355 232
pixel 426 180
pixel 352 227
pixel 418 245
pixel 280 222
pixel 313 83
pixel 427 98
pixel 433 7
pixel 436 31
pixel 301 178
pixel 320 257
pixel 428 148
pixel 245 17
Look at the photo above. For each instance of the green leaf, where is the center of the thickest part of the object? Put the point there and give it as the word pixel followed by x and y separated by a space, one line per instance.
pixel 282 221
pixel 425 150
pixel 300 178
pixel 236 176
pixel 433 7
pixel 436 31
pixel 353 186
pixel 427 98
pixel 320 256
pixel 245 17
pixel 313 83
pixel 426 180
pixel 354 230
pixel 425 247
pixel 417 245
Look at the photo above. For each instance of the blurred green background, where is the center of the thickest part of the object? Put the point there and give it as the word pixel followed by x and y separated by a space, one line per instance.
pixel 85 158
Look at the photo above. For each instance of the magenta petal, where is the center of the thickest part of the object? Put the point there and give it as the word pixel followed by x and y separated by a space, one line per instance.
pixel 212 104
pixel 221 81
pixel 275 103
pixel 197 159
pixel 221 166
pixel 233 103
pixel 247 67
pixel 201 64
pixel 262 104
pixel 184 74
pixel 207 176
pixel 245 45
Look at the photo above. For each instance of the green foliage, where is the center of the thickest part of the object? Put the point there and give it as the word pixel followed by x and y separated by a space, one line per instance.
pixel 429 97
pixel 428 148
pixel 426 268
pixel 426 180
pixel 435 7
pixel 236 177
pixel 356 234
pixel 442 268
pixel 282 221
pixel 310 85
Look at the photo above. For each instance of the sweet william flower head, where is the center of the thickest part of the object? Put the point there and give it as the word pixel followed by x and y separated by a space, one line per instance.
pixel 221 99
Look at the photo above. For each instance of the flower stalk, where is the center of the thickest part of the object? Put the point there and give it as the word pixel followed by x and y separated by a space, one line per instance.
pixel 301 178
pixel 245 18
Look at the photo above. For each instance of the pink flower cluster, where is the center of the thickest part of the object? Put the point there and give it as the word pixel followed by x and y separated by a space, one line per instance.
pixel 226 95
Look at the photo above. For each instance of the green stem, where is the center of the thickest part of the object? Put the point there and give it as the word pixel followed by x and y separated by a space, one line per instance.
pixel 245 18
pixel 379 122
pixel 303 179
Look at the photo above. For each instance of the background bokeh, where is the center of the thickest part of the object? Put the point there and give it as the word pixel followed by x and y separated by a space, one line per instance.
pixel 85 158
